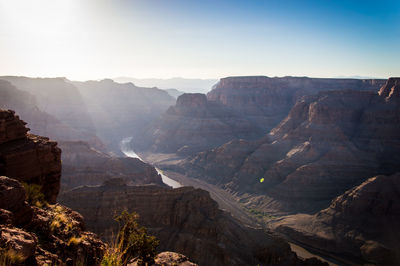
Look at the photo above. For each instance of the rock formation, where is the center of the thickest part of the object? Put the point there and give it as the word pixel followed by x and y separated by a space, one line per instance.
pixel 186 220
pixel 84 165
pixel 327 144
pixel 391 90
pixel 29 234
pixel 29 158
pixel 362 223
pixel 172 258
pixel 268 100
pixel 195 124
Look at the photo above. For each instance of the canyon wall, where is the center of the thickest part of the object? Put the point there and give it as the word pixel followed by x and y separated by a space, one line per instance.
pixel 327 144
pixel 361 223
pixel 186 220
pixel 84 165
pixel 194 124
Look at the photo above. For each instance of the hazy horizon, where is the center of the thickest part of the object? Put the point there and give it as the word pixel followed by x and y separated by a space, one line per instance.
pixel 91 40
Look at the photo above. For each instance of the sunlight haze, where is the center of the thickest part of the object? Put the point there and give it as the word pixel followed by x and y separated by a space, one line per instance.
pixel 89 39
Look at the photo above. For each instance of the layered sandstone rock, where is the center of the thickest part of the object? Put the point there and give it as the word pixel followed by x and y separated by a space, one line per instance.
pixel 195 124
pixel 186 220
pixel 29 158
pixel 361 223
pixel 29 235
pixel 268 100
pixel 327 144
pixel 84 165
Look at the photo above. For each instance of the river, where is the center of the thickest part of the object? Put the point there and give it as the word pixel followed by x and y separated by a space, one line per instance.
pixel 127 150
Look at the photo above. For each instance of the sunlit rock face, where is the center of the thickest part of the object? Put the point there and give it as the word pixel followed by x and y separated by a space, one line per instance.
pixel 186 220
pixel 329 142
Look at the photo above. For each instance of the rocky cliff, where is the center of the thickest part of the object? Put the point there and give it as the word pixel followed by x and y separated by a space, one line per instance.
pixel 327 144
pixel 195 124
pixel 84 165
pixel 32 232
pixel 29 158
pixel 268 100
pixel 361 223
pixel 186 220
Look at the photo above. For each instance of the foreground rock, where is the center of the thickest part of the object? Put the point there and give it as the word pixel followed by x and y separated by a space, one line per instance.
pixel 29 158
pixel 361 223
pixel 35 233
pixel 327 144
pixel 186 220
pixel 84 165
pixel 49 235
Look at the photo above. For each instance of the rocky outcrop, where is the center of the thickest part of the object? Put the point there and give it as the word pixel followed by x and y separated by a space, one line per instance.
pixel 326 145
pixel 268 100
pixel 122 110
pixel 29 235
pixel 172 258
pixel 29 105
pixel 391 90
pixel 11 127
pixel 186 220
pixel 29 158
pixel 84 165
pixel 50 235
pixel 194 124
pixel 361 223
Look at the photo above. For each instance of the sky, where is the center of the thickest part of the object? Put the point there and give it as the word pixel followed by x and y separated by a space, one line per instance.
pixel 94 39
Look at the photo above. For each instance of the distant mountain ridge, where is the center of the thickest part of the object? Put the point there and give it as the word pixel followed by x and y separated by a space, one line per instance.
pixel 183 84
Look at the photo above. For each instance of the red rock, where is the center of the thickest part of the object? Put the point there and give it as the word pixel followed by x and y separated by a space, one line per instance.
pixel 17 241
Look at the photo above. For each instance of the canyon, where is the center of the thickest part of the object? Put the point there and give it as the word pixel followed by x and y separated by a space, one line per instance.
pixel 307 159
pixel 325 137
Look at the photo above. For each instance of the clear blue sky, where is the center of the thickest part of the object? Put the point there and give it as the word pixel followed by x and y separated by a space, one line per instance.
pixel 84 39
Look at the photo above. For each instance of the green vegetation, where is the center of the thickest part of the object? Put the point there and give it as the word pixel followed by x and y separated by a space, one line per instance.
pixel 133 243
pixel 34 195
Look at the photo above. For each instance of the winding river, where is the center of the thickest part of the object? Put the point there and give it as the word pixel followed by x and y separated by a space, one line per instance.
pixel 300 251
pixel 127 150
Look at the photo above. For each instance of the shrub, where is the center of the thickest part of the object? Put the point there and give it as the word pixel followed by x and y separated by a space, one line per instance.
pixel 34 195
pixel 74 241
pixel 133 243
